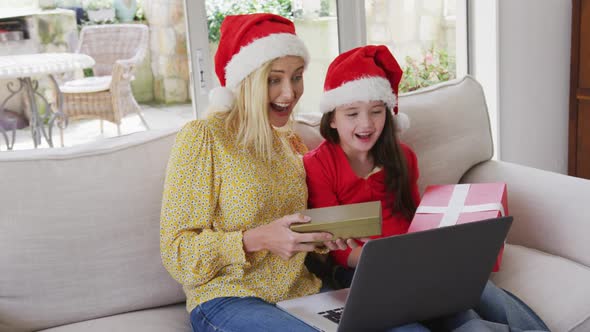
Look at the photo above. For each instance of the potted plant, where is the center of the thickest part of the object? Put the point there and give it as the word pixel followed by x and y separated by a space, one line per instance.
pixel 435 66
pixel 125 10
pixel 99 11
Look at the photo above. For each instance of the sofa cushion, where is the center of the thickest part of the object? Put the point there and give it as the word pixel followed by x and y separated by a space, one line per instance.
pixel 449 129
pixel 79 232
pixel 173 318
pixel 307 126
pixel 545 282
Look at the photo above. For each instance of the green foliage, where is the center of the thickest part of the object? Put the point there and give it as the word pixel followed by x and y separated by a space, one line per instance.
pixel 435 66
pixel 140 13
pixel 217 10
pixel 324 8
pixel 88 72
pixel 51 30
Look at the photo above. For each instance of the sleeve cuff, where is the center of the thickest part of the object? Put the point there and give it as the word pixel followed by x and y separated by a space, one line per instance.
pixel 232 249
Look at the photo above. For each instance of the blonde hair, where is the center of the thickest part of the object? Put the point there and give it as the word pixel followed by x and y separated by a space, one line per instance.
pixel 248 117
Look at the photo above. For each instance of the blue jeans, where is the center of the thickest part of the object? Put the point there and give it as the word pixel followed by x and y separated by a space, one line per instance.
pixel 229 314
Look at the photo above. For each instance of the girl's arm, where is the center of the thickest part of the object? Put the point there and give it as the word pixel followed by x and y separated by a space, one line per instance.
pixel 321 187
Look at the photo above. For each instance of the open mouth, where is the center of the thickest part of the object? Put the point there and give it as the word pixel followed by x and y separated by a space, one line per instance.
pixel 363 136
pixel 280 107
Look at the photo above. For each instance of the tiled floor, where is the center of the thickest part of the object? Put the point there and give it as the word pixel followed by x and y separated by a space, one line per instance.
pixel 84 131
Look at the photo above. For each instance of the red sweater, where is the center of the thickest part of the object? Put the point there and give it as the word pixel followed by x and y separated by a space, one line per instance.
pixel 331 181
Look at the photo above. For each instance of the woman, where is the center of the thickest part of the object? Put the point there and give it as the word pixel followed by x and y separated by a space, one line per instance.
pixel 234 183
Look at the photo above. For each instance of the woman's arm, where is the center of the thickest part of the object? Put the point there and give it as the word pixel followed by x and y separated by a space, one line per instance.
pixel 192 252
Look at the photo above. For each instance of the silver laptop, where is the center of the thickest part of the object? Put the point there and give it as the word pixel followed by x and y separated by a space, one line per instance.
pixel 409 278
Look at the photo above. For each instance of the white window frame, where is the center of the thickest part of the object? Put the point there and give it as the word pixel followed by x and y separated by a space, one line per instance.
pixel 483 34
pixel 354 32
pixel 200 65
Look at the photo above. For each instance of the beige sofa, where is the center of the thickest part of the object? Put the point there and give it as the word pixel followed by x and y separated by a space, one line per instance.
pixel 79 227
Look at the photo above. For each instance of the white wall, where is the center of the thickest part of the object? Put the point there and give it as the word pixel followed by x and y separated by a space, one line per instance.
pixel 483 54
pixel 520 52
pixel 534 63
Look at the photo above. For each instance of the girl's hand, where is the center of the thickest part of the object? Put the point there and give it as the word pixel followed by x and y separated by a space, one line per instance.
pixel 338 244
pixel 343 244
pixel 355 253
pixel 279 239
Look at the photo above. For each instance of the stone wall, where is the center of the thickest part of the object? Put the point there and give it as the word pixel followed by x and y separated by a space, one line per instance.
pixel 168 48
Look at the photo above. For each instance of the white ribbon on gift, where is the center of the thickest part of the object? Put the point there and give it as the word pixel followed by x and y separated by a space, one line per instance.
pixel 457 206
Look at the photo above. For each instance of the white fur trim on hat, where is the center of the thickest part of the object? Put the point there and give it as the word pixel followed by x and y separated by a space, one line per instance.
pixel 222 98
pixel 363 89
pixel 255 54
pixel 402 122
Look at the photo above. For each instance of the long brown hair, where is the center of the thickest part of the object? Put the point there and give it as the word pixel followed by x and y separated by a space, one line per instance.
pixel 387 153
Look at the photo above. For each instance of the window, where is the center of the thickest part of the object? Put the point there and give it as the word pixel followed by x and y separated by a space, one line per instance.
pixel 428 37
pixel 422 35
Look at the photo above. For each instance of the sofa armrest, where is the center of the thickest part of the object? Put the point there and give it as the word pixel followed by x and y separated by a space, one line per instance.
pixel 551 211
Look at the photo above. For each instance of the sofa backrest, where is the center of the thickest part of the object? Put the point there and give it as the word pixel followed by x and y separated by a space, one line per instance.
pixel 79 232
pixel 449 129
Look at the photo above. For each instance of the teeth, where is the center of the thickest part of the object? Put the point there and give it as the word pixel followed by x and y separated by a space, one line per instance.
pixel 282 105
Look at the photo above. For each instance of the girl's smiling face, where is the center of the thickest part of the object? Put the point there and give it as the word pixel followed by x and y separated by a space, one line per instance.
pixel 285 87
pixel 359 125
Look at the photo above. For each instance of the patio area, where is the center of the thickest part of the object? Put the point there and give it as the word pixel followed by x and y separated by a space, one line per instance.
pixel 85 131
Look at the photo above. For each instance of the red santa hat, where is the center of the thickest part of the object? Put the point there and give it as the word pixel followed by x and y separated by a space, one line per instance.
pixel 246 43
pixel 365 73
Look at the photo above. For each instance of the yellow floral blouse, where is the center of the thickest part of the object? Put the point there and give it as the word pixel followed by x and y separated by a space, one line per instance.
pixel 214 191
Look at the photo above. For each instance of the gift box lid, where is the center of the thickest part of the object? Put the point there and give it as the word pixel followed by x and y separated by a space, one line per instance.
pixel 344 221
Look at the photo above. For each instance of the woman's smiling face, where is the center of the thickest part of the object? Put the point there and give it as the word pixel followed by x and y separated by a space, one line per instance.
pixel 285 87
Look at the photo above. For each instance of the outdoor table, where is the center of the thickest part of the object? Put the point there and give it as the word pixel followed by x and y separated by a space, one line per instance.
pixel 25 68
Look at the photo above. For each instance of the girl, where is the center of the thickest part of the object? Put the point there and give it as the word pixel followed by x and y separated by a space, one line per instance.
pixel 363 160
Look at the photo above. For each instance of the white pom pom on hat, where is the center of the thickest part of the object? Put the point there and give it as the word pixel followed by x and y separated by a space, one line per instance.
pixel 221 98
pixel 402 122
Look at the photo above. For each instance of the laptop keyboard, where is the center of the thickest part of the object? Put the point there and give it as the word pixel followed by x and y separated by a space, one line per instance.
pixel 333 315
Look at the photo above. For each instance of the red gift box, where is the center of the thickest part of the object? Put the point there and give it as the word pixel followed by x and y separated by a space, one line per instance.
pixel 447 205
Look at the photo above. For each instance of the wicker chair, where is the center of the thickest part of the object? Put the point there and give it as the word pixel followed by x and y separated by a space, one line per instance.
pixel 117 49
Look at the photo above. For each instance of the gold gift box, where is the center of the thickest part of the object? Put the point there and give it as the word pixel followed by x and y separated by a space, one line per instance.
pixel 344 221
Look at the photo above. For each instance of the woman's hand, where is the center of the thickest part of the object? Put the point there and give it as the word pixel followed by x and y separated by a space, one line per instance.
pixel 279 239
